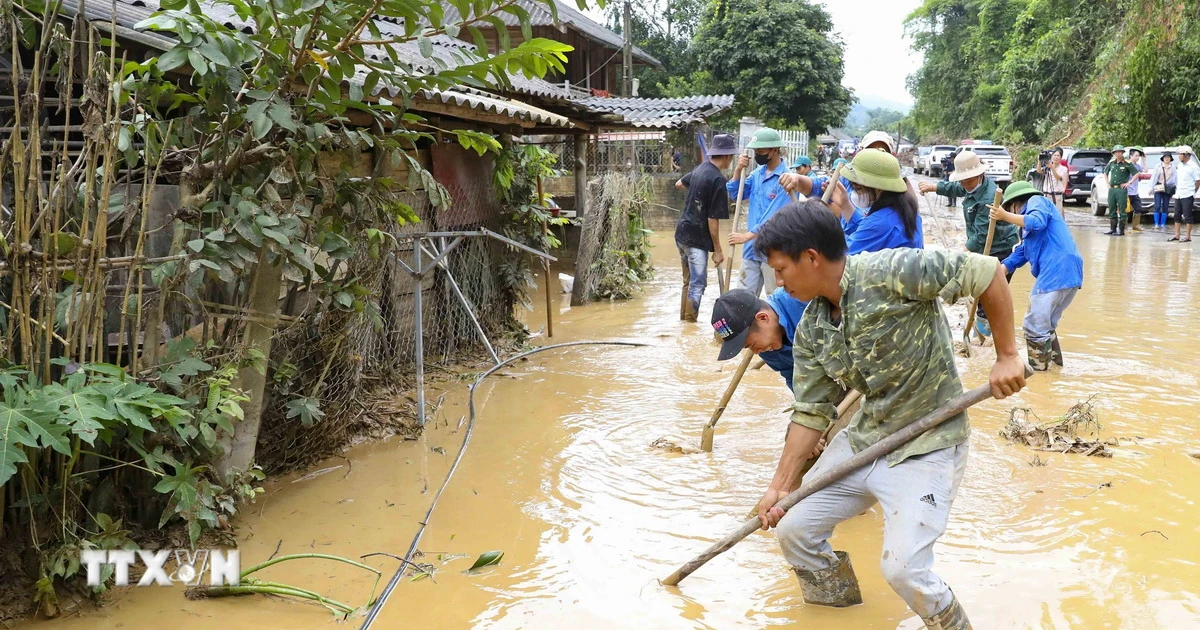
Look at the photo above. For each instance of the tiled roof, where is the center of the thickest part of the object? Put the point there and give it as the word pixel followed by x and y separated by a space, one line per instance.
pixel 447 52
pixel 539 15
pixel 661 113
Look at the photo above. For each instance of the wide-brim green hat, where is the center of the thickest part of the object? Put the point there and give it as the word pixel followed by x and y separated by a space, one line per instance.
pixel 765 138
pixel 875 168
pixel 1117 148
pixel 1017 191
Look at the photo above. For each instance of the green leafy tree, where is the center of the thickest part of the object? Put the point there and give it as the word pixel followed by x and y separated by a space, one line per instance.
pixel 664 29
pixel 780 57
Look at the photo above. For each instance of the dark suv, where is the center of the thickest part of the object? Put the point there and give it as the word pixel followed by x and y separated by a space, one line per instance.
pixel 1082 166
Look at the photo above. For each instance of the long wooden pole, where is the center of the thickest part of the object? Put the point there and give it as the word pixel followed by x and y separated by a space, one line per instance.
pixel 987 251
pixel 706 438
pixel 737 216
pixel 888 444
pixel 546 267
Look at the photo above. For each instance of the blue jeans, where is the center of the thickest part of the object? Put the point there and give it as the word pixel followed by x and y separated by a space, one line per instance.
pixel 695 273
pixel 1045 309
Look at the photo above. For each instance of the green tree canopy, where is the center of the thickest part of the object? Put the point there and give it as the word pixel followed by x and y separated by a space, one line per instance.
pixel 780 58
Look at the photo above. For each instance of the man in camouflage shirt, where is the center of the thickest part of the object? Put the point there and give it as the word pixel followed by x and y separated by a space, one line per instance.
pixel 874 324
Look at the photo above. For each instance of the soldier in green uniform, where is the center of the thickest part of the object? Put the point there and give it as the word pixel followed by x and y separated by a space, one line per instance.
pixel 1120 174
pixel 873 323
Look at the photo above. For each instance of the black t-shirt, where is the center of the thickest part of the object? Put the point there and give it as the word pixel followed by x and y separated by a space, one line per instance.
pixel 706 199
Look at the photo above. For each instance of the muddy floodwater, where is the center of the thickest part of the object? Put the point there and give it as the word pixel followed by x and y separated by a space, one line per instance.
pixel 560 476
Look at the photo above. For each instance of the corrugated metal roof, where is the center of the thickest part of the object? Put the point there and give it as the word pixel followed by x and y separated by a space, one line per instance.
pixel 660 113
pixel 568 16
pixel 491 104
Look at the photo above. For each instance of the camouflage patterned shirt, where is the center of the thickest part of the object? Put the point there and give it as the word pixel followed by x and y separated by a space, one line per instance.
pixel 892 343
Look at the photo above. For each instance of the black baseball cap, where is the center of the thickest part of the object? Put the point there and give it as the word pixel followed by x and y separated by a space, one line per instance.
pixel 732 318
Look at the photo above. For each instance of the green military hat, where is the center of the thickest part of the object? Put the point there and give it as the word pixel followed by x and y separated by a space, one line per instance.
pixel 1138 149
pixel 1118 149
pixel 875 168
pixel 1018 190
pixel 765 138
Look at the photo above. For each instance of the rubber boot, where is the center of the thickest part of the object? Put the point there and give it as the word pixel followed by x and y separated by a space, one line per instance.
pixel 690 311
pixel 1056 354
pixel 1039 355
pixel 952 617
pixel 835 586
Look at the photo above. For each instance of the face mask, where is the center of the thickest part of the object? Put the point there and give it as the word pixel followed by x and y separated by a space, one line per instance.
pixel 974 189
pixel 762 158
pixel 861 200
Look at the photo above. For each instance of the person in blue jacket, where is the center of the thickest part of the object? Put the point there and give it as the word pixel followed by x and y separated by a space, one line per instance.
pixel 1046 244
pixel 764 326
pixel 892 219
pixel 765 196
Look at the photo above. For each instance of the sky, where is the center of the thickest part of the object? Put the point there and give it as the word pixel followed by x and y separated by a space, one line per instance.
pixel 878 57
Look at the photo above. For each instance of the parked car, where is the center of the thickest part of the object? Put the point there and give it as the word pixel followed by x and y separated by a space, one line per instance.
pixel 1082 167
pixel 933 161
pixel 1098 198
pixel 997 159
pixel 922 161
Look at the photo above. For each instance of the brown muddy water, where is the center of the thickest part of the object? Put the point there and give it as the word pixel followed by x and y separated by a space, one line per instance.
pixel 560 476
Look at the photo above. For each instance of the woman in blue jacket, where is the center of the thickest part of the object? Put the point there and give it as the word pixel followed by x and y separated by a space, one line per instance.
pixel 892 220
pixel 1047 245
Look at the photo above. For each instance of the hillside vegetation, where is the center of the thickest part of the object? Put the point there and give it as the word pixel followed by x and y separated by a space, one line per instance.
pixel 1058 71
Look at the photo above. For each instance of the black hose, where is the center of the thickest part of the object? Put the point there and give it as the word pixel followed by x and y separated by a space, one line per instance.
pixel 404 564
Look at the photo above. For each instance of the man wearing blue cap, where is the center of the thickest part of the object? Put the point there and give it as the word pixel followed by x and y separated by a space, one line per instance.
pixel 802 165
pixel 696 234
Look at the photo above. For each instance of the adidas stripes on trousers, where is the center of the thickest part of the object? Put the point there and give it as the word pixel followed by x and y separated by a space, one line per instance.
pixel 915 497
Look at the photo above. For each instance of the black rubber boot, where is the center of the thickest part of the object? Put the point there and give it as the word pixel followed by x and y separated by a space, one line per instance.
pixel 835 586
pixel 953 617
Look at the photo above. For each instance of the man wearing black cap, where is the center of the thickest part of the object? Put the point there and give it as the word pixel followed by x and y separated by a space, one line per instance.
pixel 696 234
pixel 764 326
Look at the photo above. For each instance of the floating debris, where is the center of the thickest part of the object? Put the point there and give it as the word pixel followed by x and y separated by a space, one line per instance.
pixel 673 445
pixel 1061 435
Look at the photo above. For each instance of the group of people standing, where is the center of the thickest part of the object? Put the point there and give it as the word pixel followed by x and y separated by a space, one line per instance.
pixel 857 306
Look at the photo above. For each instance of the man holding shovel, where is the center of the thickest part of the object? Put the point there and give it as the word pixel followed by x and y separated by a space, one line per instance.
pixel 696 234
pixel 978 192
pixel 766 197
pixel 874 324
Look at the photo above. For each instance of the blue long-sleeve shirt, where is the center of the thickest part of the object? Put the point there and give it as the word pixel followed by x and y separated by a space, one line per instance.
pixel 789 310
pixel 765 197
pixel 1048 247
pixel 883 229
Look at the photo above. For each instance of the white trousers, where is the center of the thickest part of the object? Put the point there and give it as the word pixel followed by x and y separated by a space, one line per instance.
pixel 915 496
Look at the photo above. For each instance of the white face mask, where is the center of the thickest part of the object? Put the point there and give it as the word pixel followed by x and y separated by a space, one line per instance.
pixel 975 188
pixel 861 200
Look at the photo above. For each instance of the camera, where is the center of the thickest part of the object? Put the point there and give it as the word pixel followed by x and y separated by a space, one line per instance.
pixel 1044 156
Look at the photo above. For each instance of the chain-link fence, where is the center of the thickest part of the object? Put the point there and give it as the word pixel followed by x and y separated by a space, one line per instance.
pixel 363 369
pixel 640 151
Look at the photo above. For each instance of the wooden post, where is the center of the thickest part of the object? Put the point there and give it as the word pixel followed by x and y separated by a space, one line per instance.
pixel 264 303
pixel 590 223
pixel 546 265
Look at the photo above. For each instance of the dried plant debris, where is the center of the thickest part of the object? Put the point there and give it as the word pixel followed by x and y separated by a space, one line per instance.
pixel 1063 435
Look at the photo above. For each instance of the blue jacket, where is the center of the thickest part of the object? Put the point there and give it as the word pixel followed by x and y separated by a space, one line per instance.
pixel 765 197
pixel 880 230
pixel 789 310
pixel 1048 247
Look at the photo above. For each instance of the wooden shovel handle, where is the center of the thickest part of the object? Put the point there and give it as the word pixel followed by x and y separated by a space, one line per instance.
pixel 955 406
